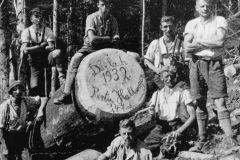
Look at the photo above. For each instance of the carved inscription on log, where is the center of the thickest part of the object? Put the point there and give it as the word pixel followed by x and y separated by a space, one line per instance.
pixel 114 82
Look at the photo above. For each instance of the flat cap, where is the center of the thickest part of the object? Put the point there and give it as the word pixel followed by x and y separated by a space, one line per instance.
pixel 14 84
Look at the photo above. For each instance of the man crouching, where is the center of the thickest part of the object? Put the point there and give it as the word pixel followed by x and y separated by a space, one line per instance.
pixel 175 113
pixel 126 146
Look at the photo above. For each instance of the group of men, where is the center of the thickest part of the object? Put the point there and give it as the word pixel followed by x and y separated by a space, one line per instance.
pixel 175 106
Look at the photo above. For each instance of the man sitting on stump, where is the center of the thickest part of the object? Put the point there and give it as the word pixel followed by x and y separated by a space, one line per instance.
pixel 126 146
pixel 39 49
pixel 101 32
pixel 175 114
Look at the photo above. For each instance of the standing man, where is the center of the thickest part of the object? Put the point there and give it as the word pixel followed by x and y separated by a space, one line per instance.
pixel 175 115
pixel 204 38
pixel 126 146
pixel 39 49
pixel 161 51
pixel 101 32
pixel 13 120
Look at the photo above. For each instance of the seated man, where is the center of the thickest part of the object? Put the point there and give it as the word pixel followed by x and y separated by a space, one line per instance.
pixel 13 120
pixel 38 48
pixel 101 32
pixel 175 112
pixel 126 146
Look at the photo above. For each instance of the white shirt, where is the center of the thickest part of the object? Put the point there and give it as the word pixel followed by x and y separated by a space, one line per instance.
pixel 12 118
pixel 117 150
pixel 30 35
pixel 168 108
pixel 206 30
pixel 158 48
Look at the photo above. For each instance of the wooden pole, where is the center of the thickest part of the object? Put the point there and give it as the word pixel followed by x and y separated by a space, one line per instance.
pixel 55 32
pixel 143 24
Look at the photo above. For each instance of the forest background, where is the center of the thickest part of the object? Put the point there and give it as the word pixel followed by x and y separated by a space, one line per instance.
pixel 67 19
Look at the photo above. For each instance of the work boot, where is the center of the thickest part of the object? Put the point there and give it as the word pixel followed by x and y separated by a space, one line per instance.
pixel 198 147
pixel 63 99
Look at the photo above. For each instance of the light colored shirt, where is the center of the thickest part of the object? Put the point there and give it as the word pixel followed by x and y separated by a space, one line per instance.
pixel 30 35
pixel 207 30
pixel 11 118
pixel 158 48
pixel 168 108
pixel 118 151
pixel 101 27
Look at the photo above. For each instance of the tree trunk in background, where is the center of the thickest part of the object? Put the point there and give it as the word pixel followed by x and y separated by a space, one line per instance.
pixel 21 15
pixel 238 5
pixel 14 50
pixel 164 7
pixel 55 19
pixel 4 69
pixel 143 24
pixel 55 32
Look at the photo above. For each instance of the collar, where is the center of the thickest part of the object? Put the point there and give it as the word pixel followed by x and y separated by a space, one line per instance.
pixel 203 22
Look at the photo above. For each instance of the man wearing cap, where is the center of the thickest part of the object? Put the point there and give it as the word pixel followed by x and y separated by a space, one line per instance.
pixel 204 39
pixel 13 120
pixel 38 44
pixel 174 111
pixel 126 146
pixel 101 32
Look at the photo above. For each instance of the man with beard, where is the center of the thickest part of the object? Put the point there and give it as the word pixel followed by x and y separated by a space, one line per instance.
pixel 175 114
pixel 101 32
pixel 38 49
pixel 13 120
pixel 204 39
pixel 126 146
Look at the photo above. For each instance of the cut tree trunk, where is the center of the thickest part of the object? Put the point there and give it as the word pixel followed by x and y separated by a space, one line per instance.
pixel 110 85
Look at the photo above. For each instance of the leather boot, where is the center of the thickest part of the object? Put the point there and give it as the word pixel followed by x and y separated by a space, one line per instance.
pixel 65 98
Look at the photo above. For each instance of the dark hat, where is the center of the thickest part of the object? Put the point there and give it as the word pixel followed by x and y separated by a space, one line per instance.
pixel 14 84
pixel 35 10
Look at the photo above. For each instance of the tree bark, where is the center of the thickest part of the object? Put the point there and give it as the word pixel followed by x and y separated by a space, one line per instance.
pixel 143 24
pixel 55 19
pixel 14 50
pixel 238 5
pixel 4 60
pixel 164 7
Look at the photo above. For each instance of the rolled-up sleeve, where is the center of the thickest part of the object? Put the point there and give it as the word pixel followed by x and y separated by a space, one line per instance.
pixel 189 28
pixel 49 35
pixel 115 29
pixel 186 97
pixel 222 23
pixel 3 115
pixel 25 37
pixel 90 24
pixel 150 55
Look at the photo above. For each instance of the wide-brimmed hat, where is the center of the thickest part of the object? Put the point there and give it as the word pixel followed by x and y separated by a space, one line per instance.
pixel 14 84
